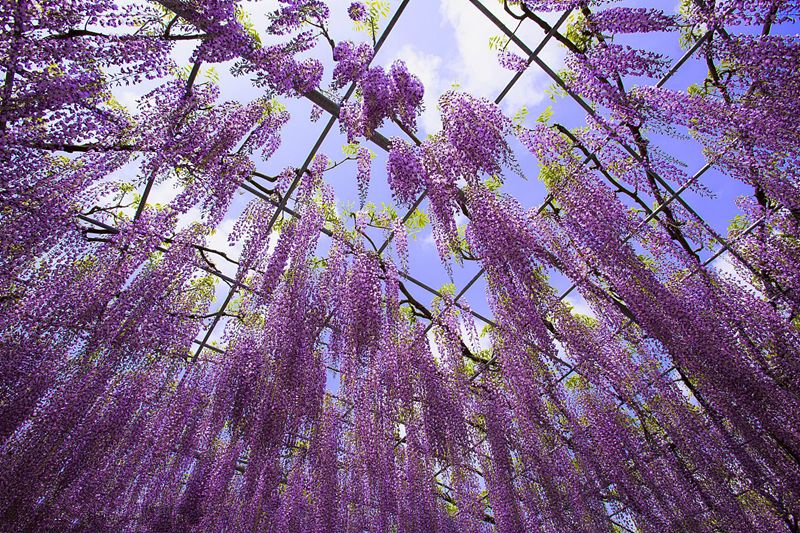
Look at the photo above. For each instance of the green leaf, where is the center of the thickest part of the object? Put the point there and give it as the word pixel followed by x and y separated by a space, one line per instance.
pixel 497 42
pixel 738 223
pixel 376 10
pixel 520 116
pixel 351 149
pixel 448 289
pixel 555 92
pixel 212 75
pixel 551 176
pixel 274 106
pixel 389 211
pixel 493 183
pixel 244 18
pixel 576 30
pixel 416 222
pixel 545 115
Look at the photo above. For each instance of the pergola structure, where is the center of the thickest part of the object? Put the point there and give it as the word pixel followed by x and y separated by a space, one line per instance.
pixel 658 207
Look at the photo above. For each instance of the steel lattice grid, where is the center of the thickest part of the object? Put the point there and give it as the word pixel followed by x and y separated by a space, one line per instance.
pixel 257 188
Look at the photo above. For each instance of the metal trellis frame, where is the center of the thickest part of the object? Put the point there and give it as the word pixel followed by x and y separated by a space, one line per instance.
pixel 281 202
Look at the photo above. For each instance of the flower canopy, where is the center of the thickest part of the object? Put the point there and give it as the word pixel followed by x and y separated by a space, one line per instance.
pixel 258 273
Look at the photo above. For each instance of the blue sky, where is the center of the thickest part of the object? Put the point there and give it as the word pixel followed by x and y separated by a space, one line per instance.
pixel 446 44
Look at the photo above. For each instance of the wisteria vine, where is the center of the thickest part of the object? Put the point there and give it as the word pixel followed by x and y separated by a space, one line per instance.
pixel 673 407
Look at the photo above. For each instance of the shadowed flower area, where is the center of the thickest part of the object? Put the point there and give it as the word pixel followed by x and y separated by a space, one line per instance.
pixel 399 266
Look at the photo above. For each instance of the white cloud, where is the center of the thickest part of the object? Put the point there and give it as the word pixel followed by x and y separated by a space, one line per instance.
pixel 472 65
pixel 427 68
pixel 129 99
pixel 219 241
pixel 579 305
pixel 428 239
pixel 468 336
pixel 727 270
pixel 476 66
pixel 437 355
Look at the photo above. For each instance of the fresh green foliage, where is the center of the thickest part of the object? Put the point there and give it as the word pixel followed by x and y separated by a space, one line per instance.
pixel 498 42
pixel 577 32
pixel 247 23
pixel 544 117
pixel 519 117
pixel 493 183
pixel 376 10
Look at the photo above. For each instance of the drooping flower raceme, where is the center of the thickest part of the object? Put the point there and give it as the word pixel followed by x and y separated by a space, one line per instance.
pixel 311 387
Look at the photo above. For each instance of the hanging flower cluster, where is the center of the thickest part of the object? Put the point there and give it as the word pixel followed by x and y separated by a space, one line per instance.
pixel 357 11
pixel 396 95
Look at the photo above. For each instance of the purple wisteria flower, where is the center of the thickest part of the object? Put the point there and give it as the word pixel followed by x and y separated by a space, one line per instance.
pixel 512 61
pixel 321 394
pixel 357 11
